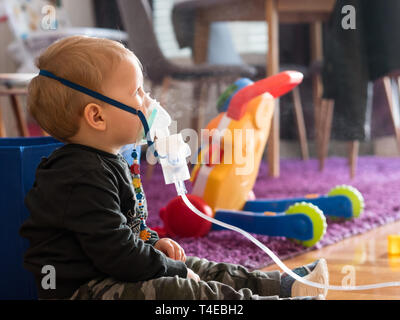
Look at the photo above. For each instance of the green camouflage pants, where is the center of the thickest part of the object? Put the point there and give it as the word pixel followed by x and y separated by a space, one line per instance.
pixel 218 281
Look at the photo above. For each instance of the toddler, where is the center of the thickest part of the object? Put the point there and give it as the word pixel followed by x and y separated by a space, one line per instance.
pixel 83 213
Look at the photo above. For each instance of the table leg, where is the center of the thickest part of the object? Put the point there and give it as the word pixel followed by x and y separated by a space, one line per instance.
pixel 200 46
pixel 200 97
pixel 317 55
pixel 2 127
pixel 301 127
pixel 19 115
pixel 387 85
pixel 353 151
pixel 272 20
pixel 326 113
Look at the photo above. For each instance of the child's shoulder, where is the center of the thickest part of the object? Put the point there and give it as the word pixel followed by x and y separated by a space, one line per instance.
pixel 76 159
pixel 70 154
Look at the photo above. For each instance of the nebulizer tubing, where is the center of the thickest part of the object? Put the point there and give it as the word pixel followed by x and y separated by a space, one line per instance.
pixel 181 191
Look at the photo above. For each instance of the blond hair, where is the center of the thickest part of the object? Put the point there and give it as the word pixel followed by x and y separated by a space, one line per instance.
pixel 86 61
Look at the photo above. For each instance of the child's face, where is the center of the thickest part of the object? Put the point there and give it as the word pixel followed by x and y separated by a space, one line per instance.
pixel 125 85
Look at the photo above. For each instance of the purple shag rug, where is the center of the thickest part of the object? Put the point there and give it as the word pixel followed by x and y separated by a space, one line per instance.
pixel 378 179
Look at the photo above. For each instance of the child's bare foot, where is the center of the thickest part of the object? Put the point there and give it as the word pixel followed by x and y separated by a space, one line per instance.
pixel 315 272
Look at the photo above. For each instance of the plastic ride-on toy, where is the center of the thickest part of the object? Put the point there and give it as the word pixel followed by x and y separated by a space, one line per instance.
pixel 224 183
pixel 225 186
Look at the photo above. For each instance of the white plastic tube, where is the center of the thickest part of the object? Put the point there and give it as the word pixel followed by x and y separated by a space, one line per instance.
pixel 181 191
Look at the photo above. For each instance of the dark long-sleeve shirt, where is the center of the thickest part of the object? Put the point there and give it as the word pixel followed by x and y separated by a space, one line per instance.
pixel 83 223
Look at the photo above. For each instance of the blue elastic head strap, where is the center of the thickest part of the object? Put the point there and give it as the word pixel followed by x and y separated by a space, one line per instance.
pixel 104 98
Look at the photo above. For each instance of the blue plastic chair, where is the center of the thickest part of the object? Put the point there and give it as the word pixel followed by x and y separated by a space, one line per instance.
pixel 19 158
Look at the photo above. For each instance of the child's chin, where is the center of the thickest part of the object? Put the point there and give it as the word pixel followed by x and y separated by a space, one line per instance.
pixel 135 139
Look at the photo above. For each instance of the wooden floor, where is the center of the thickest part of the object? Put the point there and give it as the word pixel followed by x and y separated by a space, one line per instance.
pixel 364 256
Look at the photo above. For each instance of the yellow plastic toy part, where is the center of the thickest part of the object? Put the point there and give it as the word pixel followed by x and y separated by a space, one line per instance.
pixel 394 244
pixel 227 184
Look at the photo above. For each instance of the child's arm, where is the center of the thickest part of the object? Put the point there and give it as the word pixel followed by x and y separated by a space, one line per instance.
pixel 93 214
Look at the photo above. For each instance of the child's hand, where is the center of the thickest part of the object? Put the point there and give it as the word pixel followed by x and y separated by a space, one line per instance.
pixel 192 275
pixel 171 249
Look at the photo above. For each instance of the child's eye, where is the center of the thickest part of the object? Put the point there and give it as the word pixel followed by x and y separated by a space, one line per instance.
pixel 140 90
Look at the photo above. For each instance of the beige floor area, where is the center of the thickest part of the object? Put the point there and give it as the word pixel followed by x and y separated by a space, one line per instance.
pixel 363 259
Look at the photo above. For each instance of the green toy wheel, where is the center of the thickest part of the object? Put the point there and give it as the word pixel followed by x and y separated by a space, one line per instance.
pixel 355 196
pixel 317 217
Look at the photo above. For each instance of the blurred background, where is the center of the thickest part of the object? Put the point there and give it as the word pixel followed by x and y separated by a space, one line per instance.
pixel 238 47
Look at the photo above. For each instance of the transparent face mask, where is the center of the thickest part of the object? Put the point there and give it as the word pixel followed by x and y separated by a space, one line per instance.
pixel 158 121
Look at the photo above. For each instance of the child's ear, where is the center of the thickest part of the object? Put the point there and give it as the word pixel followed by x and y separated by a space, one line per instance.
pixel 94 116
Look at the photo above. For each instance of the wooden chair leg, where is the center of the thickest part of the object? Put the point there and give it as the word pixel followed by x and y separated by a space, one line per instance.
pixel 219 88
pixel 353 156
pixel 19 115
pixel 201 99
pixel 196 98
pixel 326 121
pixel 203 105
pixel 2 127
pixel 319 128
pixel 300 123
pixel 318 124
pixel 316 42
pixel 272 63
pixel 273 149
pixel 387 84
pixel 164 90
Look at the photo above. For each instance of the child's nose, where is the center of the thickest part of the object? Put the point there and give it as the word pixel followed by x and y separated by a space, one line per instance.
pixel 147 100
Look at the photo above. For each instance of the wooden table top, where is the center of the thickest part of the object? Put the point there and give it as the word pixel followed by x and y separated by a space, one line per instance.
pixel 290 11
pixel 12 81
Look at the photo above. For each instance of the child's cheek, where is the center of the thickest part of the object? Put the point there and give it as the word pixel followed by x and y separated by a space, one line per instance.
pixel 137 125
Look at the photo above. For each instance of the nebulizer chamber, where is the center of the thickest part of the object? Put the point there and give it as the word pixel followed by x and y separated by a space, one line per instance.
pixel 172 151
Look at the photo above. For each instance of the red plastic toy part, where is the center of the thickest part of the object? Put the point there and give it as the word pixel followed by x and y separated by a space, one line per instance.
pixel 180 221
pixel 276 85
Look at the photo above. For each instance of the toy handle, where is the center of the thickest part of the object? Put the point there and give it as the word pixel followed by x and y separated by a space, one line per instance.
pixel 276 85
